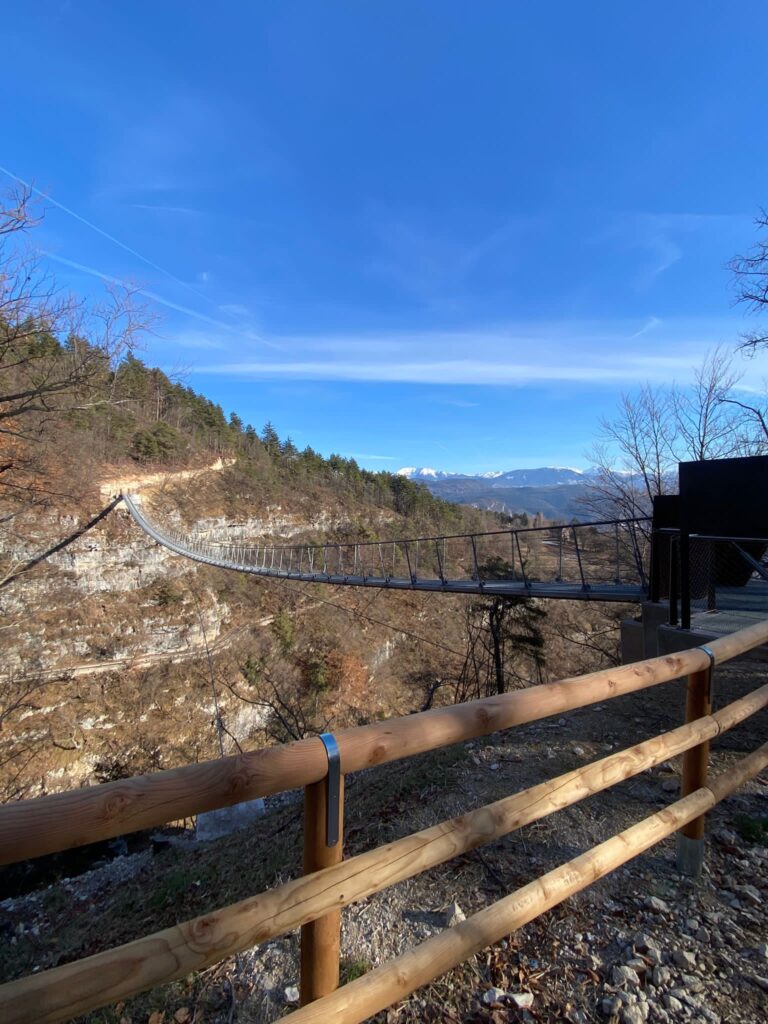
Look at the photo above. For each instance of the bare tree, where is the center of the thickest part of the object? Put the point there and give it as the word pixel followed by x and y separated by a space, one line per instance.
pixel 637 452
pixel 756 435
pixel 632 457
pixel 505 642
pixel 57 354
pixel 704 426
pixel 290 711
pixel 750 273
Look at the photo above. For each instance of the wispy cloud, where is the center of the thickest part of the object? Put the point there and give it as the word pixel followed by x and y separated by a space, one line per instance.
pixel 615 353
pixel 457 403
pixel 659 238
pixel 433 267
pixel 235 309
pixel 456 371
pixel 157 156
pixel 185 211
pixel 651 323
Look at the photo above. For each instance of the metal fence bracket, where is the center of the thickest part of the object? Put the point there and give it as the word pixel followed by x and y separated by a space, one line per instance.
pixel 332 788
pixel 712 659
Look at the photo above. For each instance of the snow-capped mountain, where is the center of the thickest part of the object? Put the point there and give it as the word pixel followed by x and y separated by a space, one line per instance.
pixel 552 490
pixel 545 476
pixel 423 473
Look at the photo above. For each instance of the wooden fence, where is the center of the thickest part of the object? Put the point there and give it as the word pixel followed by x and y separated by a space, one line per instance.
pixel 314 901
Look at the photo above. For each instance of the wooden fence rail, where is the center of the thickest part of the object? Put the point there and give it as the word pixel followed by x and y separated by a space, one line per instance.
pixel 314 901
pixel 95 981
pixel 399 977
pixel 31 828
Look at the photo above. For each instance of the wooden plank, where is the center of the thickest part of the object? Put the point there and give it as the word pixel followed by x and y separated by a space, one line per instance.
pixel 321 938
pixel 396 979
pixel 66 991
pixel 31 828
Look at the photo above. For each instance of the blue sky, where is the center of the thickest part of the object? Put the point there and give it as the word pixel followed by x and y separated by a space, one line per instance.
pixel 419 233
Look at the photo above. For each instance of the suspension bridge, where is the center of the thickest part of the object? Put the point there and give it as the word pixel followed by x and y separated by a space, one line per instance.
pixel 599 561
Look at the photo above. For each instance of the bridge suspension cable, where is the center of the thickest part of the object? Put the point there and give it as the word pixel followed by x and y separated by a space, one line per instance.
pixel 603 561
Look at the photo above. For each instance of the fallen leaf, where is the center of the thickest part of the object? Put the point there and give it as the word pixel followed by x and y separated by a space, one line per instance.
pixel 182 1015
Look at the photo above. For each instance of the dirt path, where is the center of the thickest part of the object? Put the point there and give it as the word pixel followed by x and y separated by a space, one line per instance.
pixel 148 481
pixel 92 668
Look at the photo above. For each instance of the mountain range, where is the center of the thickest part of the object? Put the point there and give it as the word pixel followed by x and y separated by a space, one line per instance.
pixel 553 491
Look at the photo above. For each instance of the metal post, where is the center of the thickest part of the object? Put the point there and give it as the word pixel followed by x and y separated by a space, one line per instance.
pixel 685 580
pixel 674 550
pixel 638 556
pixel 584 585
pixel 690 839
pixel 655 591
pixel 711 550
pixel 474 559
pixel 323 847
pixel 522 563
pixel 408 560
pixel 441 571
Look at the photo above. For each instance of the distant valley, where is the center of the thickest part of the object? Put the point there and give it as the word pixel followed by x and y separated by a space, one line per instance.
pixel 553 491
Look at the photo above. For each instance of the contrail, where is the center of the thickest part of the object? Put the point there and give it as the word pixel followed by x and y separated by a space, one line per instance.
pixel 251 335
pixel 104 234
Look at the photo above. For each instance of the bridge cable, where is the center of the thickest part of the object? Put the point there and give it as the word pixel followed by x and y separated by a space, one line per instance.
pixel 35 560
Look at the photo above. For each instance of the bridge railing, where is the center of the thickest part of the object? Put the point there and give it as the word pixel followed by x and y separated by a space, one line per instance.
pixel 584 555
pixel 34 827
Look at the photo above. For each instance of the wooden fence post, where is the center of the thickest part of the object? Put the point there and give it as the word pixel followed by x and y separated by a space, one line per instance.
pixel 320 939
pixel 690 839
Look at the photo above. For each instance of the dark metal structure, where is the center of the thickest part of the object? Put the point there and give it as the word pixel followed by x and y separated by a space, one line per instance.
pixel 709 542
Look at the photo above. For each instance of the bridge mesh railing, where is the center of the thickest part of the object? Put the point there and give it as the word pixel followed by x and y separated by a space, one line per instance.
pixel 707 575
pixel 727 576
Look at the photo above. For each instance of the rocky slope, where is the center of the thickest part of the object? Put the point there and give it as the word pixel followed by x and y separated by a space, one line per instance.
pixel 106 641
